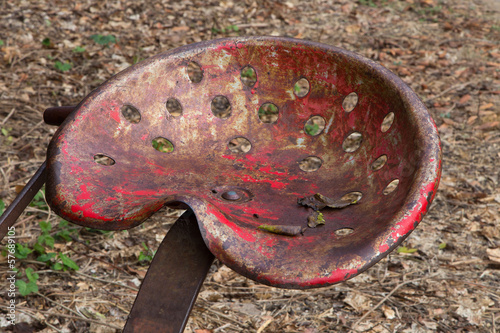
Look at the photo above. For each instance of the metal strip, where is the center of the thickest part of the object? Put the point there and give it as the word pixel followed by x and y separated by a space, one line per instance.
pixel 173 280
pixel 22 200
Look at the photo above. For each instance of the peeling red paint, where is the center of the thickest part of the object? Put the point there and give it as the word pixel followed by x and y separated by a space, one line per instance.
pixel 244 234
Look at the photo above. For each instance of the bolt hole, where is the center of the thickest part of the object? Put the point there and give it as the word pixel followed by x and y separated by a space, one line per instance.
pixel 387 122
pixel 214 191
pixel 256 216
pixel 301 87
pixel 103 160
pixel 352 197
pixel 310 164
pixel 174 107
pixel 315 125
pixel 131 114
pixel 248 76
pixel 268 113
pixel 379 162
pixel 162 145
pixel 231 196
pixel 343 232
pixel 195 72
pixel 239 145
pixel 352 142
pixel 391 187
pixel 221 108
pixel 350 102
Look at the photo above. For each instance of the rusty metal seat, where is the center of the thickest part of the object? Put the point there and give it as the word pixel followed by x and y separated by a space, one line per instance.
pixel 304 164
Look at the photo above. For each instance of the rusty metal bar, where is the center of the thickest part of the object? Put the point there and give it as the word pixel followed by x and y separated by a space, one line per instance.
pixel 173 280
pixel 22 200
pixel 56 115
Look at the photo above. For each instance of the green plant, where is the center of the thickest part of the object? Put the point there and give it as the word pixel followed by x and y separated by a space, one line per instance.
pixel 228 29
pixel 78 49
pixel 104 39
pixel 146 256
pixel 1 42
pixel 22 251
pixel 2 206
pixel 46 42
pixel 26 288
pixel 63 67
pixel 404 249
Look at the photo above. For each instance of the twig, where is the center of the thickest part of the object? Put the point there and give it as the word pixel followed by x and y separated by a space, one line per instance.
pixel 387 297
pixel 8 116
pixel 61 305
pixel 455 87
pixel 105 281
pixel 82 319
pixel 34 317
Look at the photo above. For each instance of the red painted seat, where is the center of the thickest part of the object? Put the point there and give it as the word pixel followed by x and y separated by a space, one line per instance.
pixel 337 163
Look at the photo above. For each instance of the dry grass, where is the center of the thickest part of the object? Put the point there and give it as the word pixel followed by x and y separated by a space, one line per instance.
pixel 447 51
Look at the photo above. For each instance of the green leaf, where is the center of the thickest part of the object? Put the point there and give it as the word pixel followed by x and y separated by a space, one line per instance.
pixel 45 226
pixel 442 246
pixel 22 251
pixel 404 249
pixel 68 262
pixel 57 266
pixel 1 42
pixel 46 42
pixel 39 248
pixel 63 67
pixel 32 277
pixel 103 39
pixel 2 207
pixel 79 49
pixel 46 257
pixel 64 234
pixel 22 287
pixel 47 239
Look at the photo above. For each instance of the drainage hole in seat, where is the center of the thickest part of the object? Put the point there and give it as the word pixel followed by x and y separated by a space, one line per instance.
pixel 350 102
pixel 344 231
pixel 131 114
pixel 162 145
pixel 174 107
pixel 310 164
pixel 352 142
pixel 301 87
pixel 387 122
pixel 103 160
pixel 239 145
pixel 248 76
pixel 379 162
pixel 221 108
pixel 391 187
pixel 315 125
pixel 195 72
pixel 352 197
pixel 268 113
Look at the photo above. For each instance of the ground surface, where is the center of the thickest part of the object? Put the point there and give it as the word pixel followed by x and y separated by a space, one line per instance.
pixel 446 279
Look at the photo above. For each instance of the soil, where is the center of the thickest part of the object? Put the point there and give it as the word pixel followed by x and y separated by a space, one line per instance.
pixel 445 277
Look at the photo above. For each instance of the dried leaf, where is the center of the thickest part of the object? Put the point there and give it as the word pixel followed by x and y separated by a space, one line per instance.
pixel 286 230
pixel 494 254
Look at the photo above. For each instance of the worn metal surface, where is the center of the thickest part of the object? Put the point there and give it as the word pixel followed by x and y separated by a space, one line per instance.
pixel 22 200
pixel 173 281
pixel 200 170
pixel 56 115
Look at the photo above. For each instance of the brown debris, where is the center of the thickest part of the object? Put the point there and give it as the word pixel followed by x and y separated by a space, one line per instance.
pixel 445 50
